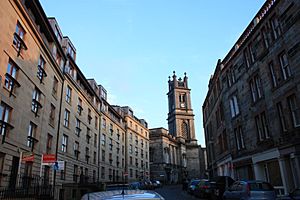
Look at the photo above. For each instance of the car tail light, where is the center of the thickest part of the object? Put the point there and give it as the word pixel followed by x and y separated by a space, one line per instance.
pixel 205 187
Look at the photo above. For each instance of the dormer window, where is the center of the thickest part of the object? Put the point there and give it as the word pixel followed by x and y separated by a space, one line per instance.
pixel 71 52
pixel 18 41
pixel 10 77
pixel 41 69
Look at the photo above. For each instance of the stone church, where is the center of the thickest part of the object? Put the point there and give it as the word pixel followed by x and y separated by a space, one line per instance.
pixel 174 153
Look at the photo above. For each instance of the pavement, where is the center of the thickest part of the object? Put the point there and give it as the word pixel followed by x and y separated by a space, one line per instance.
pixel 174 192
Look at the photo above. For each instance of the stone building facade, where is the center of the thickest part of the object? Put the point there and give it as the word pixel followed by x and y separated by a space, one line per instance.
pixel 176 154
pixel 48 108
pixel 251 111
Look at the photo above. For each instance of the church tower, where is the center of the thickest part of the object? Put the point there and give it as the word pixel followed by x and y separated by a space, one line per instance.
pixel 180 116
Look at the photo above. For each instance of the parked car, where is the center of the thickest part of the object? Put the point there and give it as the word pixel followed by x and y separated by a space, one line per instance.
pixel 294 195
pixel 192 185
pixel 249 190
pixel 219 185
pixel 123 194
pixel 203 189
pixel 146 185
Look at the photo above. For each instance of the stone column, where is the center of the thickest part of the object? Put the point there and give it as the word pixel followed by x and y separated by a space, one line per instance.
pixel 283 173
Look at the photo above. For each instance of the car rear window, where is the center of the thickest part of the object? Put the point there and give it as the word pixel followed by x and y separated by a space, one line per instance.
pixel 261 187
pixel 195 182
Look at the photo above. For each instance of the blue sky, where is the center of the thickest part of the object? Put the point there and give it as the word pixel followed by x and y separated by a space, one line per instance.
pixel 132 46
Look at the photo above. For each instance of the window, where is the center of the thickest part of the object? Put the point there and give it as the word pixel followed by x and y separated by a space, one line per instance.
pixel 123 162
pixel 123 149
pixel 110 158
pixel 31 135
pixel 75 173
pixel 130 160
pixel 2 160
pixel 10 77
pixel 117 161
pixel 36 95
pixel 142 153
pixel 281 117
pixel 142 143
pixel 286 72
pixel 88 135
pixel 130 173
pixel 89 116
pixel 130 149
pixel 294 109
pixel 275 27
pixel 5 111
pixel 118 147
pixel 49 143
pixel 66 118
pixel 79 106
pixel 55 86
pixel 252 53
pixel 52 114
pixel 230 77
pixel 110 144
pixel 63 172
pixel 95 157
pixel 136 140
pixel 255 86
pixel 103 155
pixel 118 134
pixel 239 138
pixel 41 73
pixel 111 129
pixel 273 74
pixel 136 162
pixel 262 127
pixel 64 143
pixel 246 58
pixel 95 140
pixel 234 108
pixel 76 150
pixel 104 123
pixel 130 137
pixel 136 151
pixel 96 122
pixel 87 154
pixel 18 41
pixel 102 172
pixel 103 139
pixel 71 51
pixel 265 37
pixel 68 94
pixel 77 129
pixel 57 34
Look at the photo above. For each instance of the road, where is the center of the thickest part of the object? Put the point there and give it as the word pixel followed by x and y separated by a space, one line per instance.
pixel 174 192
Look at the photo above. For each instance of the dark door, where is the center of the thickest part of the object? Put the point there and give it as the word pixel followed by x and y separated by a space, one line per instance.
pixel 14 172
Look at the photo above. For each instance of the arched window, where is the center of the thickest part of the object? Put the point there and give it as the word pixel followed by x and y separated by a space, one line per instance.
pixel 184 130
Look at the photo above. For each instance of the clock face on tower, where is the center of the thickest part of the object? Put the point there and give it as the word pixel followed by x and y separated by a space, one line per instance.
pixel 182 105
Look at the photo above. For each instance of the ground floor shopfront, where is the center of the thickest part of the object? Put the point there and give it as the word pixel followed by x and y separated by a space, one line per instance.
pixel 280 167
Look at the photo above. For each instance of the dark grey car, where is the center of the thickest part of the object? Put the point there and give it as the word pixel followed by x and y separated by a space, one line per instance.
pixel 250 190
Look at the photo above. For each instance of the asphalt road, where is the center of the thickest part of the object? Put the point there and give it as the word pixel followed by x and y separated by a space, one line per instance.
pixel 174 192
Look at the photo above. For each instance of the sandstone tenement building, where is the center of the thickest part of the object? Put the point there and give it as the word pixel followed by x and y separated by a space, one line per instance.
pixel 251 113
pixel 49 109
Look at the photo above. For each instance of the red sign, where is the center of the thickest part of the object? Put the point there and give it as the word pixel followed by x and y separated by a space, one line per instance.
pixel 49 158
pixel 28 157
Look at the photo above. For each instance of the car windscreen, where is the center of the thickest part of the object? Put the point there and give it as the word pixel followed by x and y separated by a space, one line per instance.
pixel 261 186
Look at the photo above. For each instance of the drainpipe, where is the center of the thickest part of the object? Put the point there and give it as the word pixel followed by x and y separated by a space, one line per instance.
pixel 58 124
pixel 99 141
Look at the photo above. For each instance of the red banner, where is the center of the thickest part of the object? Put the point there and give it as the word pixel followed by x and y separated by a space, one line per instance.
pixel 49 158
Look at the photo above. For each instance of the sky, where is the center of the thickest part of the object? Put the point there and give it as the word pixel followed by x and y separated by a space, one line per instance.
pixel 130 47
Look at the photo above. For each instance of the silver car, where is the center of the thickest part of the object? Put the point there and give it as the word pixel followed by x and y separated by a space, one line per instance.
pixel 123 195
pixel 250 190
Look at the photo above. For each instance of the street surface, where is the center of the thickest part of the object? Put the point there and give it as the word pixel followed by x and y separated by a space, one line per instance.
pixel 174 192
